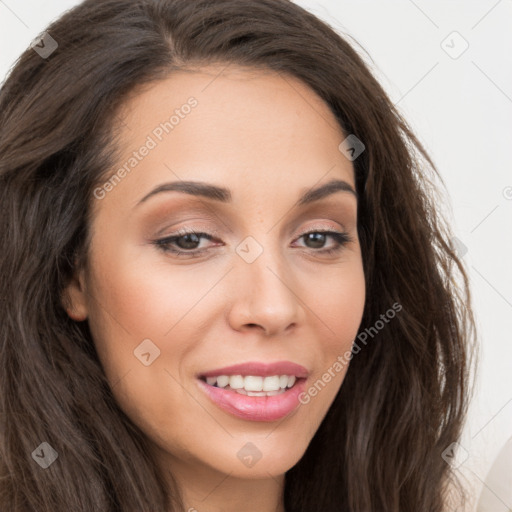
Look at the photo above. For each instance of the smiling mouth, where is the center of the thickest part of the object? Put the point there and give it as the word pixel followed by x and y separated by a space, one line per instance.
pixel 255 397
pixel 253 385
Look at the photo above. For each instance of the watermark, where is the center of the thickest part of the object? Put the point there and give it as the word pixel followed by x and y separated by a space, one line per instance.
pixel 146 352
pixel 151 143
pixel 249 454
pixel 351 147
pixel 44 45
pixel 343 360
pixel 249 249
pixel 507 193
pixel 45 455
pixel 459 247
pixel 455 455
pixel 454 45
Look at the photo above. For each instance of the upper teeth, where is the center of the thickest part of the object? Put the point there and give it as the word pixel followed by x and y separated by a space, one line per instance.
pixel 252 382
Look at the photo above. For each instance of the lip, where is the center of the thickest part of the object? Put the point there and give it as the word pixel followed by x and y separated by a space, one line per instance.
pixel 255 408
pixel 260 369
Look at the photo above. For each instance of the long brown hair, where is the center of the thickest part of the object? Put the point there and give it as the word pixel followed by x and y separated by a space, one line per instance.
pixel 405 396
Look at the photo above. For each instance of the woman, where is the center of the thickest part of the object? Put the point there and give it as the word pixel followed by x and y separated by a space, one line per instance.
pixel 226 283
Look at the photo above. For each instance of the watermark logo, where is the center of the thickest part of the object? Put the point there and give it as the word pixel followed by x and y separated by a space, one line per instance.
pixel 459 248
pixel 351 147
pixel 249 249
pixel 454 45
pixel 249 454
pixel 455 455
pixel 147 352
pixel 44 45
pixel 45 455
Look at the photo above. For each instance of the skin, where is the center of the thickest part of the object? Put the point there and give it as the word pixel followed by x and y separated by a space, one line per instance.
pixel 268 139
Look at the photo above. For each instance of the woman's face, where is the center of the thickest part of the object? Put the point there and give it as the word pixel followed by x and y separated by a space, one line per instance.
pixel 259 292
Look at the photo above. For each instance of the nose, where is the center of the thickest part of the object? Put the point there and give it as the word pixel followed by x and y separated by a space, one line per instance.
pixel 264 295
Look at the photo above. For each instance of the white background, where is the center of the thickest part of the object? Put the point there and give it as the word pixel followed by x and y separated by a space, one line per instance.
pixel 461 110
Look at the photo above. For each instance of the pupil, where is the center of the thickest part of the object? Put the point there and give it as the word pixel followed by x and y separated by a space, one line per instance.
pixel 188 237
pixel 317 238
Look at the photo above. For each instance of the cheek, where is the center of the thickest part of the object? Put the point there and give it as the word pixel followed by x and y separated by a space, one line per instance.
pixel 132 323
pixel 337 302
pixel 135 299
pixel 337 309
pixel 142 319
pixel 129 304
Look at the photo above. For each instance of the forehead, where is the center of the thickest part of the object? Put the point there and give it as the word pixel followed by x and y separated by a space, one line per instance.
pixel 252 130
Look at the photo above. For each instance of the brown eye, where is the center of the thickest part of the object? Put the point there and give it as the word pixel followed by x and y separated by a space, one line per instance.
pixel 188 242
pixel 317 239
pixel 183 244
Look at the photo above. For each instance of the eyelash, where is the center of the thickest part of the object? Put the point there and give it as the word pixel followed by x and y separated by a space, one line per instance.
pixel 164 244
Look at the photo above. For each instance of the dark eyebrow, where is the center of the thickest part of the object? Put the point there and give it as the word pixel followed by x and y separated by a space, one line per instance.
pixel 322 191
pixel 197 188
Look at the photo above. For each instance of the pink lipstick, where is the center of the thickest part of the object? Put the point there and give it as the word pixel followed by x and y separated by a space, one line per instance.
pixel 256 391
